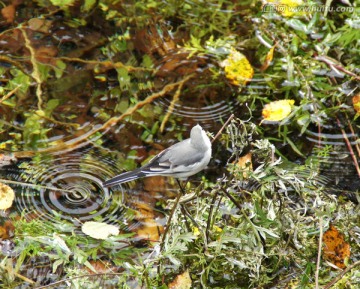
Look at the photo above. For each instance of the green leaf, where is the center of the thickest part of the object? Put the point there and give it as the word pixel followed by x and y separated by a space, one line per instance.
pixel 51 105
pixel 147 61
pixel 123 78
pixel 44 70
pixel 59 68
pixel 88 5
pixel 63 3
pixel 21 80
pixel 56 264
pixel 294 147
pixel 297 24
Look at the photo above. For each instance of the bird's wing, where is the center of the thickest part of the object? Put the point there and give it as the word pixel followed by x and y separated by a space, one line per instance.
pixel 174 159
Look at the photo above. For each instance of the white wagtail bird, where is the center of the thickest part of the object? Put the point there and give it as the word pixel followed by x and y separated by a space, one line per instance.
pixel 181 160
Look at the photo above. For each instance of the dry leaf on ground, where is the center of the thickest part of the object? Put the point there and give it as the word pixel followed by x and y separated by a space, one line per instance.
pixel 336 250
pixel 7 196
pixel 98 230
pixel 182 281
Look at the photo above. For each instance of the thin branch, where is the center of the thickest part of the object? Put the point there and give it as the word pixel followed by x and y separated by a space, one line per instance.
pixel 336 66
pixel 171 107
pixel 105 65
pixel 319 254
pixel 338 278
pixel 357 143
pixel 238 205
pixel 36 72
pixel 186 213
pixel 222 128
pixel 351 151
pixel 5 97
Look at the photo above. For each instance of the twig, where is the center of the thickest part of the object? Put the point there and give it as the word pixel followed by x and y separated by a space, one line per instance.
pixel 36 72
pixel 24 278
pixel 171 107
pixel 106 65
pixel 11 271
pixel 336 279
pixel 222 128
pixel 6 59
pixel 319 254
pixel 5 97
pixel 333 65
pixel 354 136
pixel 236 203
pixel 351 151
pixel 186 213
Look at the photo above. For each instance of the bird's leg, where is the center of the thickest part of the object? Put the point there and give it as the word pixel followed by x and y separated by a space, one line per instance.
pixel 181 188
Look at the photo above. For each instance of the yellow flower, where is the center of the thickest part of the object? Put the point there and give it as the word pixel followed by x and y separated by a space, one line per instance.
pixel 217 229
pixel 277 110
pixel 237 68
pixel 196 231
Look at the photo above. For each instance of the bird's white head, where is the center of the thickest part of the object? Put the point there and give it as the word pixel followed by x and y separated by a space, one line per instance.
pixel 199 138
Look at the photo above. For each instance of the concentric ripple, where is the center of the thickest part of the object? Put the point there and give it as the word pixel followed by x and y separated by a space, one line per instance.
pixel 331 138
pixel 68 188
pixel 216 111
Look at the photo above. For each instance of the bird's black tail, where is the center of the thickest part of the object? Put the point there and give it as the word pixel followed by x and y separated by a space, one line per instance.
pixel 123 178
